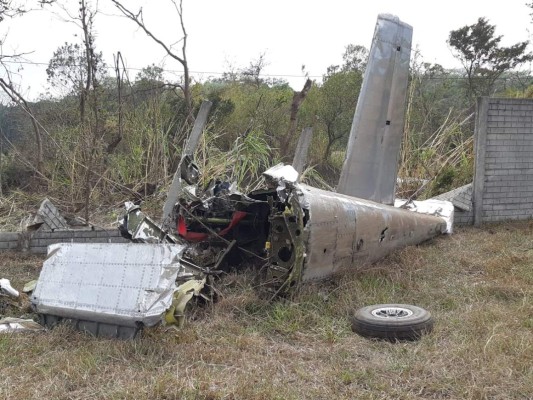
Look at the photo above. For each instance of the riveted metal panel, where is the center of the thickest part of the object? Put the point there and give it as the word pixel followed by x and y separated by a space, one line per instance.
pixel 115 283
pixel 371 164
pixel 344 232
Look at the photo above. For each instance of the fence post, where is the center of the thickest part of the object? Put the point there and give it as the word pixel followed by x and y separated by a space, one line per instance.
pixel 480 141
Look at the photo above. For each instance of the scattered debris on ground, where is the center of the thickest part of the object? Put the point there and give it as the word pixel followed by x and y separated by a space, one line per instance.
pixel 47 218
pixel 10 324
pixel 8 290
pixel 477 284
pixel 288 232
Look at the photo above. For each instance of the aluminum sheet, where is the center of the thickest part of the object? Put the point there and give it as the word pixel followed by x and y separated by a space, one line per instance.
pixel 115 283
pixel 345 233
pixel 371 164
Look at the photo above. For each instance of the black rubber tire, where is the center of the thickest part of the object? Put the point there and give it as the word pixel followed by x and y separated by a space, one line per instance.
pixel 407 327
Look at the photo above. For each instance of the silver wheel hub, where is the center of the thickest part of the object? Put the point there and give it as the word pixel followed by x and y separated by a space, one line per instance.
pixel 391 312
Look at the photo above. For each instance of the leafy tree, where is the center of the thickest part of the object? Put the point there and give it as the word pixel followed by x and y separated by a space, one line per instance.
pixel 150 76
pixel 338 98
pixel 68 67
pixel 245 101
pixel 482 57
pixel 434 92
pixel 354 58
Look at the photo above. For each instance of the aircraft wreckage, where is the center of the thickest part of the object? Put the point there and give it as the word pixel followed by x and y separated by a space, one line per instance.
pixel 291 232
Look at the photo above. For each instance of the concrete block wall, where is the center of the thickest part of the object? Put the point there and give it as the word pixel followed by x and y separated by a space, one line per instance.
pixel 461 198
pixel 461 217
pixel 503 183
pixel 9 241
pixel 37 242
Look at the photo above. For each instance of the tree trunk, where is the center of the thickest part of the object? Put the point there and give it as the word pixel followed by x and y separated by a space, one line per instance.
pixel 297 101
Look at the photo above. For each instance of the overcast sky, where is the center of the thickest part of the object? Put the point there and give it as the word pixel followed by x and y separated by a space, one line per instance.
pixel 291 33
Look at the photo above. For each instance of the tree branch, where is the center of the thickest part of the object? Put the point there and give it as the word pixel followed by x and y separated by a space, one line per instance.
pixel 137 18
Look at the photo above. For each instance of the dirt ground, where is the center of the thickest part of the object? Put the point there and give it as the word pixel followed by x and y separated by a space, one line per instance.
pixel 477 283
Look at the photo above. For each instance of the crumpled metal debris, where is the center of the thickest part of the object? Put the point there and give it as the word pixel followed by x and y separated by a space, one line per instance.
pixel 19 325
pixel 7 289
pixel 281 172
pixel 30 286
pixel 439 208
pixel 291 232
pixel 175 315
pixel 113 283
pixel 138 227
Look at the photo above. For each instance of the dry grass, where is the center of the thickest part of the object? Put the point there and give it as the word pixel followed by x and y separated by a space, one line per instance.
pixel 18 208
pixel 477 284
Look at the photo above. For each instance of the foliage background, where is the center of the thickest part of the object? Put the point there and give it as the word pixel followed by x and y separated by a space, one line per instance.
pixel 127 140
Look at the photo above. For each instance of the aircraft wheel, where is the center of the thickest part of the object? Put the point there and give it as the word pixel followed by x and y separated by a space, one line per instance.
pixel 392 322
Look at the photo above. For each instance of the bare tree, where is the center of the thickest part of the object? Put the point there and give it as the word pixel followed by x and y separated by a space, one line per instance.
pixel 182 59
pixel 90 128
pixel 252 73
pixel 10 8
pixel 80 66
pixel 91 82
pixel 8 87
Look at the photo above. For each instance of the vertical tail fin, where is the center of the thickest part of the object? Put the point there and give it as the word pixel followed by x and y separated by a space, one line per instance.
pixel 371 164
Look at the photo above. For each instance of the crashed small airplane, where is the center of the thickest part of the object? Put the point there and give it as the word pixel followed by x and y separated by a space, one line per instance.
pixel 293 233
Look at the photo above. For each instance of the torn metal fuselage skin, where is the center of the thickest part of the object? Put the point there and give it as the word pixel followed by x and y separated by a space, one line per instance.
pixel 321 233
pixel 299 232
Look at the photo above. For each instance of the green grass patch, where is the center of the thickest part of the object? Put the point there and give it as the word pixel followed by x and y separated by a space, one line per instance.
pixel 476 283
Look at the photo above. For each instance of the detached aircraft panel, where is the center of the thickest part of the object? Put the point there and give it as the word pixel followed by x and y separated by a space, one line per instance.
pixel 371 164
pixel 122 284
